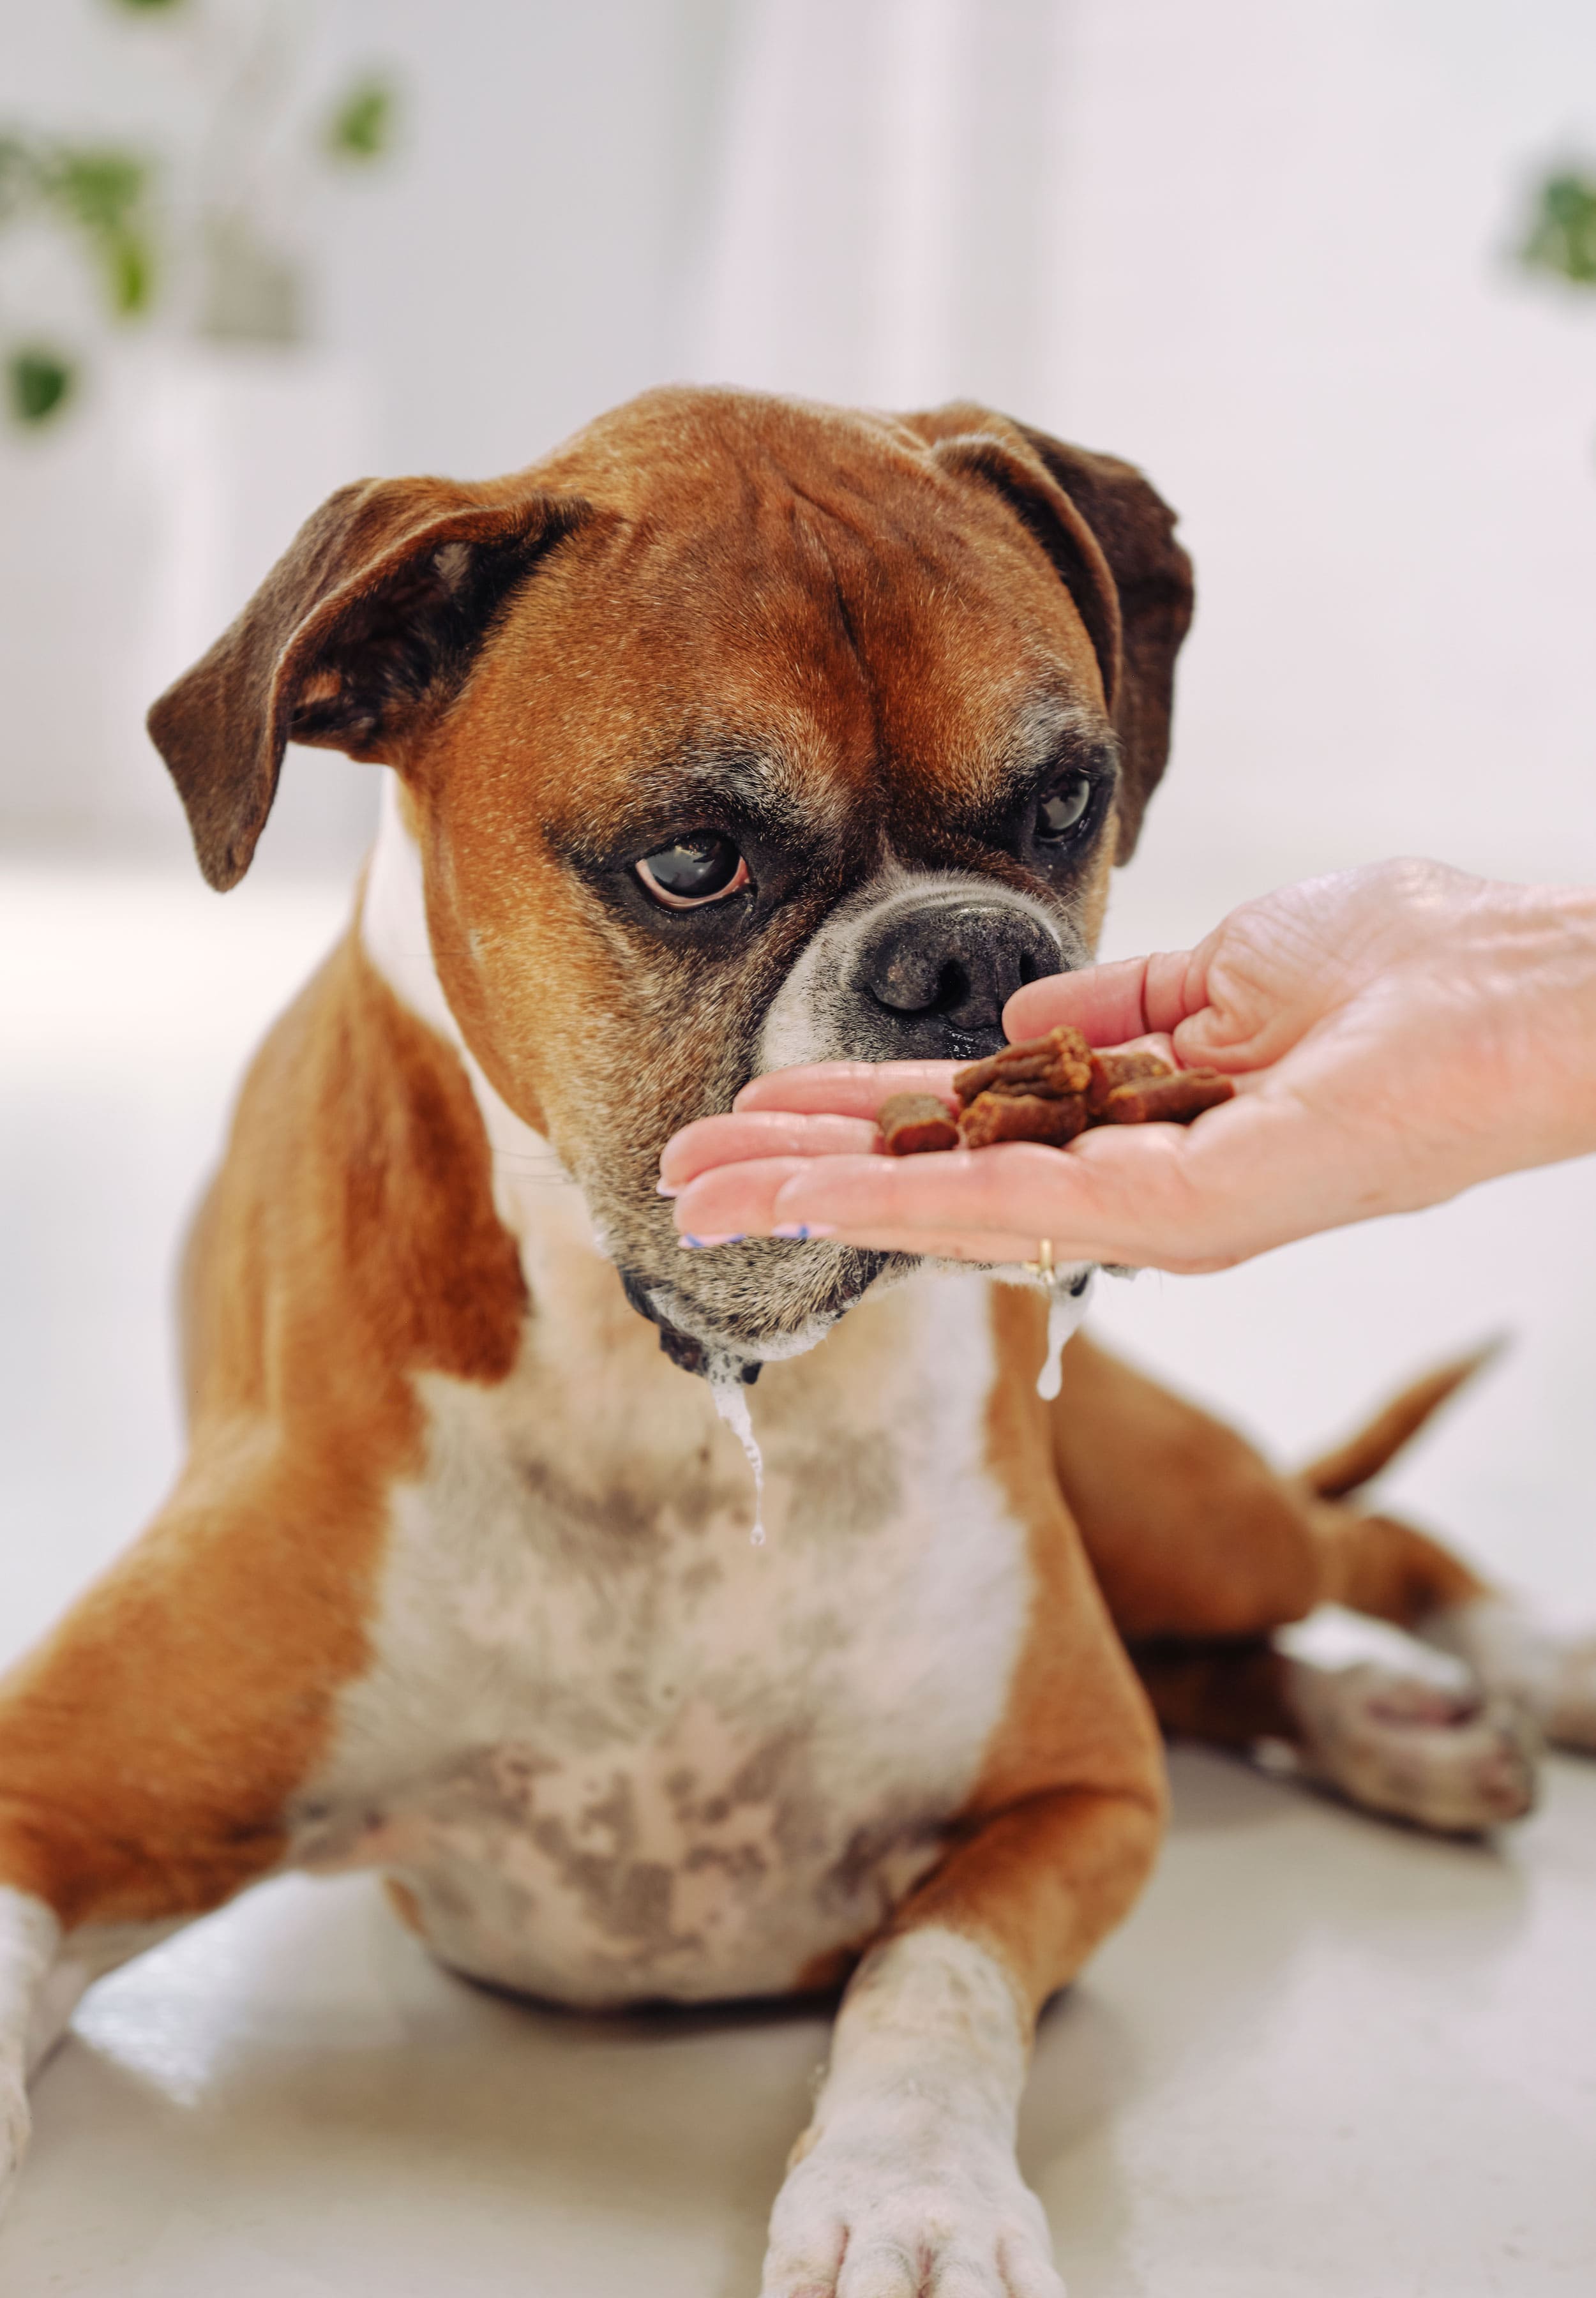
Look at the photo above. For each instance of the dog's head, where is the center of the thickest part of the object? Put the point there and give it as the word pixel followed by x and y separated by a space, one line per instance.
pixel 739 732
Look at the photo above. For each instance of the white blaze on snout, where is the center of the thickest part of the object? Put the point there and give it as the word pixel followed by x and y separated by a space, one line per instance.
pixel 814 1016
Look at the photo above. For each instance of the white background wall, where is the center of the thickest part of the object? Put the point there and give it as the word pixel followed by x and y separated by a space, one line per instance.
pixel 1258 246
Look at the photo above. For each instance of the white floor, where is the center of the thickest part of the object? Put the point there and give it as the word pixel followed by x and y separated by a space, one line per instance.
pixel 1325 2059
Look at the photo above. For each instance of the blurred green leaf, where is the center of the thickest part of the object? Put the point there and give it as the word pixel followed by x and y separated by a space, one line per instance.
pixel 360 125
pixel 38 382
pixel 98 186
pixel 18 174
pixel 1562 233
pixel 131 271
pixel 149 7
pixel 100 190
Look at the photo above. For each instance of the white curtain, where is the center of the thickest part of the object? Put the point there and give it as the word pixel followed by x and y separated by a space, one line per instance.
pixel 883 227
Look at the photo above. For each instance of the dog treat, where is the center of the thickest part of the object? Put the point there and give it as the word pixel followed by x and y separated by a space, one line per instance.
pixel 1049 1089
pixel 1110 1071
pixel 912 1123
pixel 1050 1067
pixel 1173 1099
pixel 1022 1117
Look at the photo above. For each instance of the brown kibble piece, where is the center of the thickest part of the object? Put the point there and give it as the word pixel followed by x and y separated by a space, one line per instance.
pixel 1060 1062
pixel 1049 1089
pixel 1111 1070
pixel 912 1123
pixel 1173 1100
pixel 993 1116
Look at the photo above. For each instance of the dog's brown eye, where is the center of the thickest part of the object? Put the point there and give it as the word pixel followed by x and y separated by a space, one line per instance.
pixel 1064 809
pixel 692 870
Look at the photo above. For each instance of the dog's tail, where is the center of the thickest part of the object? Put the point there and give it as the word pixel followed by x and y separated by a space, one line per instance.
pixel 1335 1473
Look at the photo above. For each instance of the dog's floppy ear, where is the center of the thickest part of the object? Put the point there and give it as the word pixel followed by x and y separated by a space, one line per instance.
pixel 368 622
pixel 1112 540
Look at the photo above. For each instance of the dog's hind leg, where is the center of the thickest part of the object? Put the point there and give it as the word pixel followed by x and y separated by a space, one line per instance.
pixel 1391 1740
pixel 1378 1565
pixel 1204 1551
pixel 1193 1534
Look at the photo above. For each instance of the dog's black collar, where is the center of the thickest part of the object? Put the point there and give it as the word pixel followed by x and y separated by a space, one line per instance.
pixel 680 1347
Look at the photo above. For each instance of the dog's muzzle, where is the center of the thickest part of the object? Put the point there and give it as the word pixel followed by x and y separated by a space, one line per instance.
pixel 932 977
pixel 917 969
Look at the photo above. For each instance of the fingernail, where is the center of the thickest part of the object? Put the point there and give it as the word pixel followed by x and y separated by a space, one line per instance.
pixel 692 1243
pixel 800 1232
pixel 668 1188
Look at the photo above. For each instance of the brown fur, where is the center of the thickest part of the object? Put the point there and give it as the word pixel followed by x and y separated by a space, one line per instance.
pixel 149 1747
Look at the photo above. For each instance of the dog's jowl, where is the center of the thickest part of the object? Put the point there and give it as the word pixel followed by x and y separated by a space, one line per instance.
pixel 735 733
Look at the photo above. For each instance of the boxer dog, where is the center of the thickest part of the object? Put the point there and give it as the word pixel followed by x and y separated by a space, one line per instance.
pixel 735 733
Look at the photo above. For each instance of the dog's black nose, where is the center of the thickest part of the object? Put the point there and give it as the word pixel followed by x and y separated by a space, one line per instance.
pixel 940 974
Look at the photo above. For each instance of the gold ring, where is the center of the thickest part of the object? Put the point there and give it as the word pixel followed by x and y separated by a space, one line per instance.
pixel 1042 1266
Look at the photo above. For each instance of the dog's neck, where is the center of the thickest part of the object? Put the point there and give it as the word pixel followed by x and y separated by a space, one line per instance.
pixel 535 1196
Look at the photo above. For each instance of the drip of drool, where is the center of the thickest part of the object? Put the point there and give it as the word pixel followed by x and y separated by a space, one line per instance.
pixel 1068 1291
pixel 732 1402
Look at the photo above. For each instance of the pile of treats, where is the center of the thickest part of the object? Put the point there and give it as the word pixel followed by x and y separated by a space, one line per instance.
pixel 1049 1089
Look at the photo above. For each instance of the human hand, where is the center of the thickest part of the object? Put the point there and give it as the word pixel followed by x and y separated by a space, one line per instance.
pixel 1394 1033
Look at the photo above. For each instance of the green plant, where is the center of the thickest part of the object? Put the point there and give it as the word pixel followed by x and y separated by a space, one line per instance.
pixel 37 381
pixel 360 125
pixel 206 230
pixel 99 192
pixel 1562 233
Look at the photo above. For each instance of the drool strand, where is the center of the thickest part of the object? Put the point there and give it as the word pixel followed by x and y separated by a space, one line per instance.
pixel 732 1402
pixel 1068 1291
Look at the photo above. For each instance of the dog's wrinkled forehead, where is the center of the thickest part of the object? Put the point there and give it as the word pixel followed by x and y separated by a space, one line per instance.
pixel 825 629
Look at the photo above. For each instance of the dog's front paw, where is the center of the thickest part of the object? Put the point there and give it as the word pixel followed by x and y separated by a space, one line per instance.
pixel 936 2210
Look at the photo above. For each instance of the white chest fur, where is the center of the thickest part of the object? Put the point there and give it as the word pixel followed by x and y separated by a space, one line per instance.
pixel 618 1752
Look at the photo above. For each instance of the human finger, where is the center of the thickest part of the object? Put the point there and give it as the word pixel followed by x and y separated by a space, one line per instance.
pixel 733 1139
pixel 896 1203
pixel 1132 997
pixel 1156 1195
pixel 746 1199
pixel 844 1089
pixel 739 1200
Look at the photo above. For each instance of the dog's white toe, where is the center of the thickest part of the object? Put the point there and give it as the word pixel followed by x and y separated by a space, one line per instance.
pixel 1446 1760
pixel 941 2214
